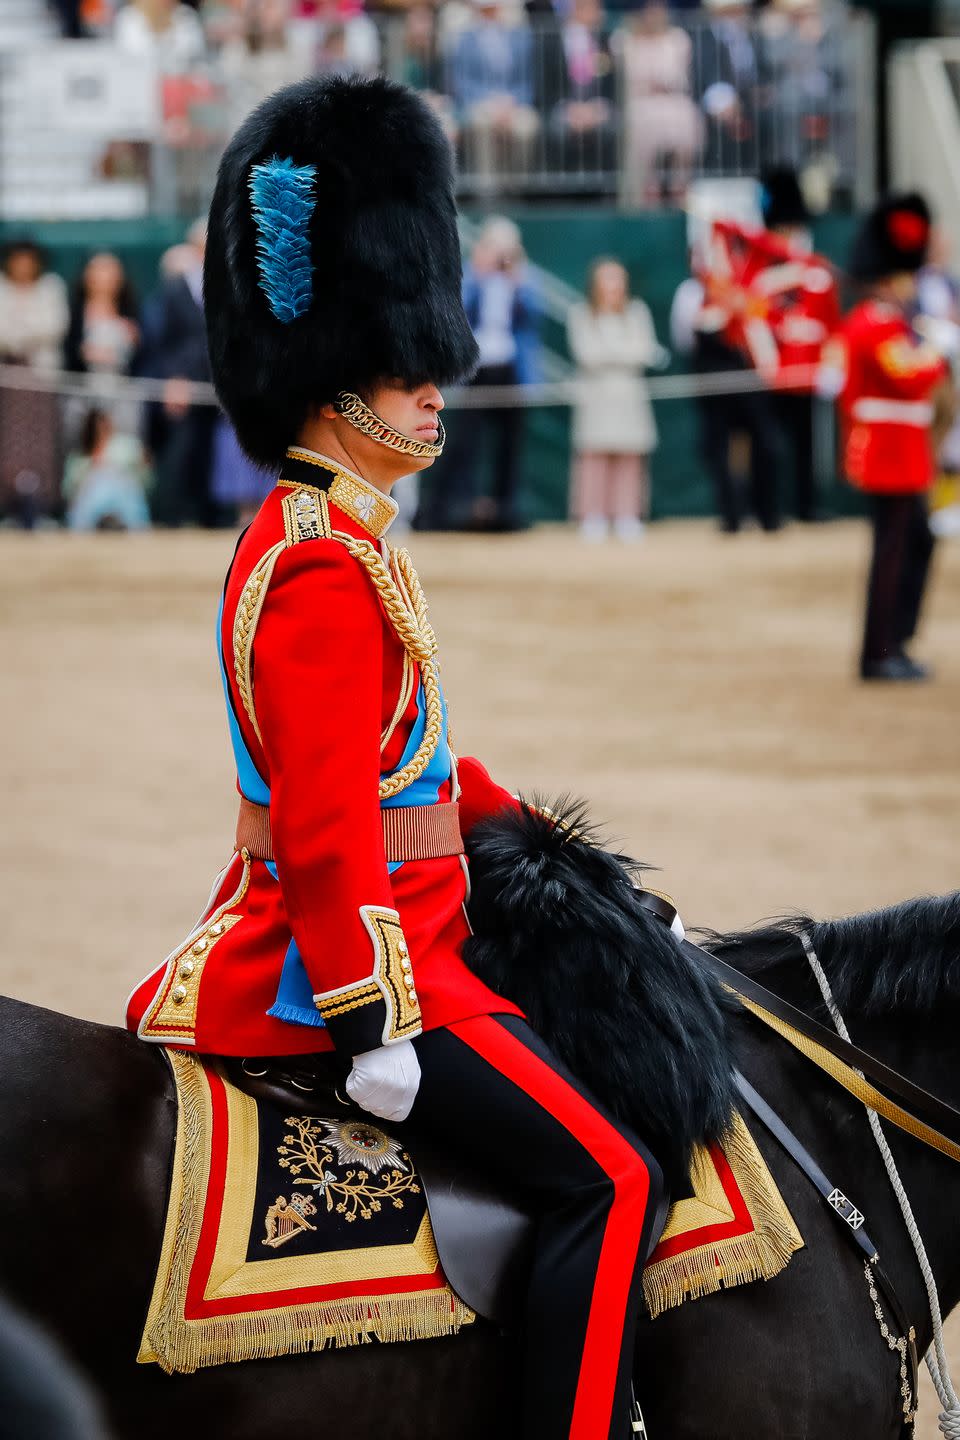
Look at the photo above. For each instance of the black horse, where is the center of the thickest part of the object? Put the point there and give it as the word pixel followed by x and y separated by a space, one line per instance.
pixel 86 1130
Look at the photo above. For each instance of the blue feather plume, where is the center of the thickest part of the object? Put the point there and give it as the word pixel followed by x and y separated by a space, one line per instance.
pixel 283 200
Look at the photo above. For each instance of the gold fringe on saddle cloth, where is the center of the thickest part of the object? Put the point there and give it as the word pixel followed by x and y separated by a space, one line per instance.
pixel 179 1341
pixel 735 1228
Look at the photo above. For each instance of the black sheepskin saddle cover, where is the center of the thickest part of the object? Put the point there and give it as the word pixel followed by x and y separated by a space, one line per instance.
pixel 558 928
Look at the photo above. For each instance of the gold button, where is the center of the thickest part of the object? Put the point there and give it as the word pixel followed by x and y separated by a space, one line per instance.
pixel 178 994
pixel 402 949
pixel 408 981
pixel 200 946
pixel 217 930
pixel 186 968
pixel 413 997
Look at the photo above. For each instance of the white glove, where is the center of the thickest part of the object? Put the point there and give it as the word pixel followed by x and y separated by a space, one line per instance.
pixel 385 1081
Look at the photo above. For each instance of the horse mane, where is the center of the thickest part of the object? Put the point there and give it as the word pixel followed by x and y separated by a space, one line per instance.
pixel 905 957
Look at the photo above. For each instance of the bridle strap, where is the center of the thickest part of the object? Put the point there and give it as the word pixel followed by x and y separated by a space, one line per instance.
pixel 922 1115
pixel 852 1218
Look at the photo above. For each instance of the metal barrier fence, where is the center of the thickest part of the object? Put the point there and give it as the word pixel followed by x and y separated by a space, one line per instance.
pixel 535 109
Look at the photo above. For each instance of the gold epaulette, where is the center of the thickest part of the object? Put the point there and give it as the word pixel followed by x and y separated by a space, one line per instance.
pixel 306 515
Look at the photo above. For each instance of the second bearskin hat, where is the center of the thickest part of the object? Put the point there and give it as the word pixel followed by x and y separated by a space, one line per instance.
pixel 333 259
pixel 894 237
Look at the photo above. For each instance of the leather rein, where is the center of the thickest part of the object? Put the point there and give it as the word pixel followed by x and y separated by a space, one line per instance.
pixel 913 1109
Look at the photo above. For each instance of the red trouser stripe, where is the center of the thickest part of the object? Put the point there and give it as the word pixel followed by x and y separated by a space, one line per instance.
pixel 621 1237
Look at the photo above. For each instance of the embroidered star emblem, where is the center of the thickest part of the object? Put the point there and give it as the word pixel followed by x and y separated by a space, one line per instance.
pixel 364 506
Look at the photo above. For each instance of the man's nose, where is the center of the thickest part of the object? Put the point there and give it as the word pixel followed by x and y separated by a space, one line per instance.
pixel 433 399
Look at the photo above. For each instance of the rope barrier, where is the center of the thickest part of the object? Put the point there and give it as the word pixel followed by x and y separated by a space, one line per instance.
pixel 556 394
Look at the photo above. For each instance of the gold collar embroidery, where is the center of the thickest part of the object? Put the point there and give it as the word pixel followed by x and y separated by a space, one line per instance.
pixel 356 497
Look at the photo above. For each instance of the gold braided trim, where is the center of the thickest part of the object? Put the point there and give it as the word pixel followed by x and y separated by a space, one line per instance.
pixel 852 1081
pixel 368 422
pixel 173 1014
pixel 399 781
pixel 403 700
pixel 245 624
pixel 339 1002
pixel 405 605
pixel 737 1259
pixel 411 624
pixel 371 508
pixel 390 983
pixel 393 973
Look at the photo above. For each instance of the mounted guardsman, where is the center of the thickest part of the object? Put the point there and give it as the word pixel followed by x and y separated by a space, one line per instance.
pixel 333 308
pixel 889 379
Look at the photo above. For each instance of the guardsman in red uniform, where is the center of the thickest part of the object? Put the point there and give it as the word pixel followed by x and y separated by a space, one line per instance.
pixel 732 332
pixel 332 290
pixel 804 313
pixel 886 404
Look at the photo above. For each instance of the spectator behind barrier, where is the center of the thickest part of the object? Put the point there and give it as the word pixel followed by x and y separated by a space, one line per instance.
pixel 337 36
pixel 175 350
pixel 805 72
pixel 490 79
pixel 576 85
pixel 663 127
pixel 422 68
pixel 103 338
pixel 731 87
pixel 104 332
pixel 105 480
pixel 163 30
pixel 34 316
pixel 261 56
pixel 613 341
pixel 504 313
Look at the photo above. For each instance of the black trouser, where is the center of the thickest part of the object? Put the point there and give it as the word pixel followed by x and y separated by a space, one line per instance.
pixel 493 1092
pixel 722 416
pixel 794 414
pixel 453 482
pixel 902 547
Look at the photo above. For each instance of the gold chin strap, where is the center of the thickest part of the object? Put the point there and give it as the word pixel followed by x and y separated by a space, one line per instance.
pixel 362 418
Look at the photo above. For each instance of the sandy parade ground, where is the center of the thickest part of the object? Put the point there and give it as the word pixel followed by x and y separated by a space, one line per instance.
pixel 698 690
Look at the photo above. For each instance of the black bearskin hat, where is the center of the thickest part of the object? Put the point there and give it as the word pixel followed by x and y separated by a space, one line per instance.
pixel 781 199
pixel 559 927
pixel 333 259
pixel 893 238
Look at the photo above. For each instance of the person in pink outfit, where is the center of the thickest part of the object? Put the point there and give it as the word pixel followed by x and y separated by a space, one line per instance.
pixel 663 123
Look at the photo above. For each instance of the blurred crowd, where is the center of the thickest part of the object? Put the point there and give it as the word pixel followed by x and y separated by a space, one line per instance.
pixel 583 96
pixel 758 314
pixel 114 463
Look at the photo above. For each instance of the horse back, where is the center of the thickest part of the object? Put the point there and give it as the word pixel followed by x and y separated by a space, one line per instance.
pixel 87 1122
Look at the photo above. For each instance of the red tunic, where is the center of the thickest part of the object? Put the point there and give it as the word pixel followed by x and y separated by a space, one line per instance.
pixel 776 304
pixel 329 943
pixel 890 377
pixel 804 313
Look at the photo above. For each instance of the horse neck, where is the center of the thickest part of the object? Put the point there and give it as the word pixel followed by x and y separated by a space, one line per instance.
pixel 923 1048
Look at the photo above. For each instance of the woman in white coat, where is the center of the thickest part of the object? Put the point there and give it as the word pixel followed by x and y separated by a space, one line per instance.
pixel 612 340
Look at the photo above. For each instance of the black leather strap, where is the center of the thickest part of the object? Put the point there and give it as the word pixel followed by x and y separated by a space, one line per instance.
pixel 853 1219
pixel 922 1105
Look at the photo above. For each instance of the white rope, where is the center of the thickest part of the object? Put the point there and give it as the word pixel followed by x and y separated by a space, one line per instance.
pixel 553 394
pixel 936 1356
